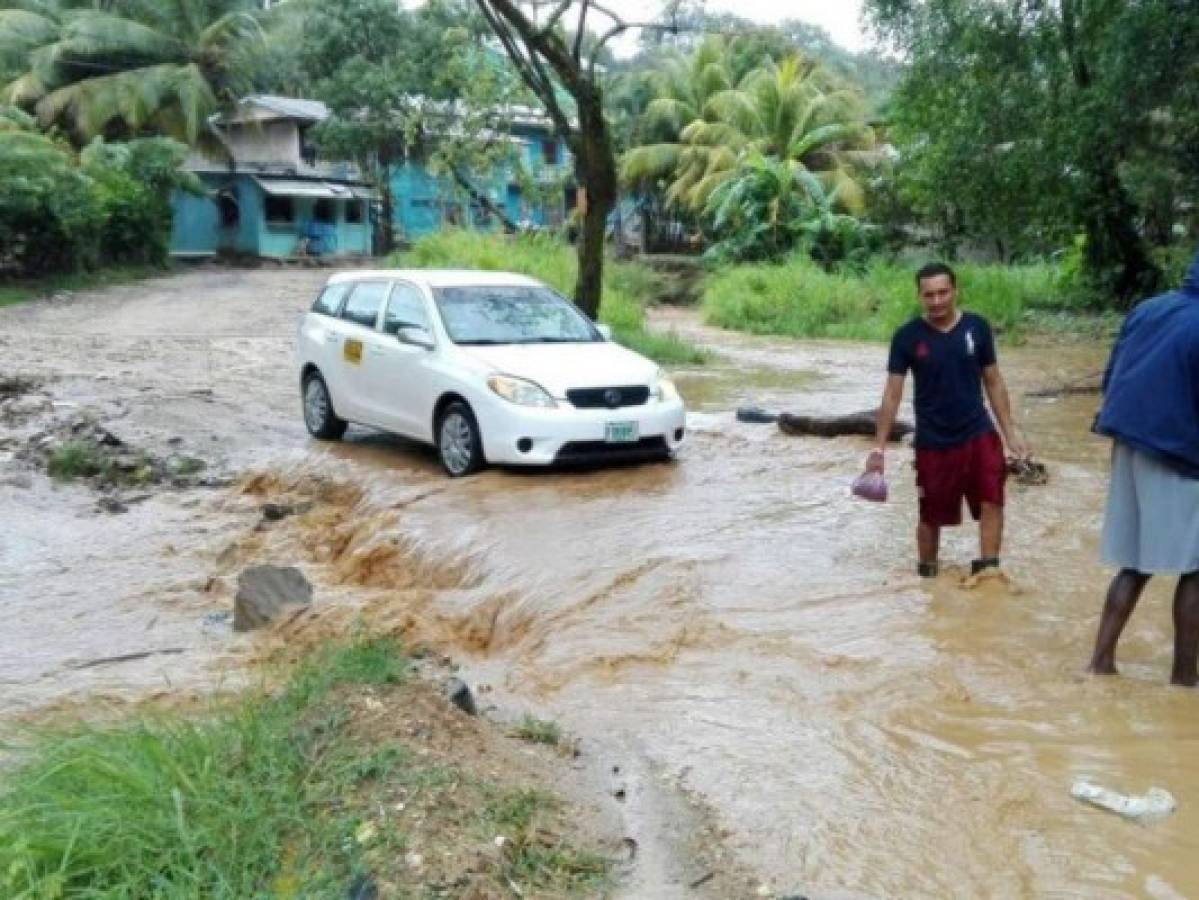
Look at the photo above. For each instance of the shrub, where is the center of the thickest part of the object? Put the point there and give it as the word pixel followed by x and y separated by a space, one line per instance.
pixel 797 298
pixel 132 185
pixel 48 216
pixel 59 215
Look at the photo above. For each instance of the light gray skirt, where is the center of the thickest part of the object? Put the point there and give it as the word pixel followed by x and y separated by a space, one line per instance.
pixel 1152 519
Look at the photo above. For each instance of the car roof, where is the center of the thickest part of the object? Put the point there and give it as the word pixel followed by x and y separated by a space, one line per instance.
pixel 439 277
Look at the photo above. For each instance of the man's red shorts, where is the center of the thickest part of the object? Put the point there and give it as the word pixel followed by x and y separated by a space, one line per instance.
pixel 975 470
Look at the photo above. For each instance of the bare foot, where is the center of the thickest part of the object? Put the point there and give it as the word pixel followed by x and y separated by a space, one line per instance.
pixel 1106 667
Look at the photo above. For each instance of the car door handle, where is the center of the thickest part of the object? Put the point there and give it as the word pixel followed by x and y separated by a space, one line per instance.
pixel 375 350
pixel 330 337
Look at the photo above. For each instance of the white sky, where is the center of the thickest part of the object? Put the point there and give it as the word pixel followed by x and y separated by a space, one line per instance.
pixel 840 18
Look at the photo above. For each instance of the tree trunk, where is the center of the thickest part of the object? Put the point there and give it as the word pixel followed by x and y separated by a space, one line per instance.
pixel 387 235
pixel 1116 253
pixel 595 168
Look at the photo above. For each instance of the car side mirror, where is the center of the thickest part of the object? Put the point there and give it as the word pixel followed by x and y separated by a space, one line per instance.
pixel 416 336
pixel 605 331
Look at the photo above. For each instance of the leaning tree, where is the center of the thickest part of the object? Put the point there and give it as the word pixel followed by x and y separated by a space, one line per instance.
pixel 561 66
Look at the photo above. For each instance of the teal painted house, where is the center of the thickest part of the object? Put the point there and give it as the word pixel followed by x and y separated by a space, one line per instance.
pixel 273 198
pixel 424 202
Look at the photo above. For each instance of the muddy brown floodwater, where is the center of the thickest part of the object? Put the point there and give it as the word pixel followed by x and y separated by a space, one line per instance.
pixel 735 617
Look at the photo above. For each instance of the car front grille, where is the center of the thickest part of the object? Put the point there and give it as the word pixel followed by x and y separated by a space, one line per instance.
pixel 608 397
pixel 584 452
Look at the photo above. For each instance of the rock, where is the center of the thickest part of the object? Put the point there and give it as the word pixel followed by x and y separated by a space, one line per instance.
pixel 273 512
pixel 461 697
pixel 111 504
pixel 266 592
pixel 862 423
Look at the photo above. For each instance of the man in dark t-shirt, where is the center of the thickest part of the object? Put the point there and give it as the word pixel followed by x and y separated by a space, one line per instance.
pixel 959 455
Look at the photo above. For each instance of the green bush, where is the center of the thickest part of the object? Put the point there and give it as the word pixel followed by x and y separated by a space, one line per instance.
pixel 628 287
pixel 132 185
pixel 798 298
pixel 48 217
pixel 60 215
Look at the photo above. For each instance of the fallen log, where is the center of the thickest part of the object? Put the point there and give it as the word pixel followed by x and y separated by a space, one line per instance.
pixel 860 423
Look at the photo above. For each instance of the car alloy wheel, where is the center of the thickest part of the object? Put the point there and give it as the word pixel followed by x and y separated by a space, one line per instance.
pixel 319 417
pixel 458 442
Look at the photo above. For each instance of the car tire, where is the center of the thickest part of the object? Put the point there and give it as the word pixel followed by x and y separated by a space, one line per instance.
pixel 459 441
pixel 322 422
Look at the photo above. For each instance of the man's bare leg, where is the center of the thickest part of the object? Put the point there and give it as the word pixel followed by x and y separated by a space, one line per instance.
pixel 928 543
pixel 1186 630
pixel 990 531
pixel 1122 596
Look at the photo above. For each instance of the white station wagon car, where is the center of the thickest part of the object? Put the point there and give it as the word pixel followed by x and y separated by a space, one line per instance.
pixel 485 366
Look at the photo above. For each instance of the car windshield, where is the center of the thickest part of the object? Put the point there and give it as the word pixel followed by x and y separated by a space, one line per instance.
pixel 485 314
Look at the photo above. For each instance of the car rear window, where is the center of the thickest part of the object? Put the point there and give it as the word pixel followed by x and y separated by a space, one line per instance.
pixel 330 299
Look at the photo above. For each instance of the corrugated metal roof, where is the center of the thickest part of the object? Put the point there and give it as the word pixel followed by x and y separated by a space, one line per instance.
pixel 295 108
pixel 286 187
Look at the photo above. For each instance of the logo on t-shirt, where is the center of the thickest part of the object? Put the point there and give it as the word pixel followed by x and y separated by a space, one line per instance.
pixel 921 350
pixel 969 343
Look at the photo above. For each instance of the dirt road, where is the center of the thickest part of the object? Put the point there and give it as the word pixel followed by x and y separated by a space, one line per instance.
pixel 733 624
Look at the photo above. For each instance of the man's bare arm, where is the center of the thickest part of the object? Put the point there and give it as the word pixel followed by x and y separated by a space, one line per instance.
pixel 887 411
pixel 1001 405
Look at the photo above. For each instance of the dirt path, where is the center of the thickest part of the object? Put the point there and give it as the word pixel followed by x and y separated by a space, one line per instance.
pixel 744 650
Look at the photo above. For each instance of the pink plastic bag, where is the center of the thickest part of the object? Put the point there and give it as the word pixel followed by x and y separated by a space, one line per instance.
pixel 870 486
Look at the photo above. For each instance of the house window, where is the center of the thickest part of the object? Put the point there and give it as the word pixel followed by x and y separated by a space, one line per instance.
pixel 228 209
pixel 280 210
pixel 354 211
pixel 549 152
pixel 324 211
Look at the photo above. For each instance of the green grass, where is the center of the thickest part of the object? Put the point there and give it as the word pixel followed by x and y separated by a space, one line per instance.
pixel 76 459
pixel 628 287
pixel 799 299
pixel 22 290
pixel 272 796
pixel 538 731
pixel 533 855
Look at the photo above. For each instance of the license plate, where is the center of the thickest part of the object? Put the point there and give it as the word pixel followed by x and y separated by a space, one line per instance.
pixel 620 432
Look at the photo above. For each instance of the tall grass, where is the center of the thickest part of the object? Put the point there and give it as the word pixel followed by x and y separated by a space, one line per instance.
pixel 179 807
pixel 628 287
pixel 265 798
pixel 799 299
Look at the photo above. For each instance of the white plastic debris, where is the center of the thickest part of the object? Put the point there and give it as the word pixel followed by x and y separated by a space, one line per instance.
pixel 1155 803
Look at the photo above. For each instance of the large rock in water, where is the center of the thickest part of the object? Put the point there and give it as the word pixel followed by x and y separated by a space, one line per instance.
pixel 834 426
pixel 264 593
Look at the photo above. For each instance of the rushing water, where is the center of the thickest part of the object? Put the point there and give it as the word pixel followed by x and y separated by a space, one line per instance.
pixel 757 632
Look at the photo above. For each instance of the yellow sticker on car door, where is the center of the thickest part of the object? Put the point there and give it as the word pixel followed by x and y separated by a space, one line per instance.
pixel 351 351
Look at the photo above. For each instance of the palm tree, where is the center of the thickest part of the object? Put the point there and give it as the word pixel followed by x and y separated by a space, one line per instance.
pixel 683 90
pixel 793 111
pixel 127 67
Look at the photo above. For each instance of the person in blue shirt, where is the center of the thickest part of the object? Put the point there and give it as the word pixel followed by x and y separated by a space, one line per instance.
pixel 959 454
pixel 1150 411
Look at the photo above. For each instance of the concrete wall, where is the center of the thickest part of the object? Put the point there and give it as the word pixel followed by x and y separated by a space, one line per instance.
pixel 276 142
pixel 193 225
pixel 197 226
pixel 423 204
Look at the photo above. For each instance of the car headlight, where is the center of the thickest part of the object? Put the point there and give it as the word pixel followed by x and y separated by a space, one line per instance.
pixel 520 392
pixel 664 390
